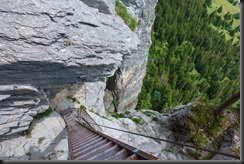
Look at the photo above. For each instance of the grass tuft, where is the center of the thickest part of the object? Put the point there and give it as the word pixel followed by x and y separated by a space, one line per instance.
pixel 122 12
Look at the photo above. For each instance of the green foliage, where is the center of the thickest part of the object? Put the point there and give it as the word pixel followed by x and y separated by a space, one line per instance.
pixel 122 12
pixel 26 133
pixel 114 101
pixel 122 115
pixel 204 126
pixel 100 115
pixel 169 149
pixel 155 119
pixel 227 16
pixel 118 115
pixel 201 140
pixel 61 151
pixel 40 140
pixel 82 107
pixel 44 114
pixel 75 100
pixel 236 16
pixel 148 113
pixel 189 60
pixel 208 3
pixel 224 22
pixel 220 9
pixel 136 120
pixel 234 2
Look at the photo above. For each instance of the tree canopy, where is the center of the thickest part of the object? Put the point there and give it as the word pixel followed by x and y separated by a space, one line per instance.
pixel 188 60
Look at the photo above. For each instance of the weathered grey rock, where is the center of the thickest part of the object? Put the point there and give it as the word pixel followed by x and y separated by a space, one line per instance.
pixel 230 144
pixel 60 42
pixel 126 83
pixel 52 44
pixel 103 6
pixel 60 151
pixel 17 110
pixel 13 148
pixel 109 101
pixel 149 127
pixel 89 94
pixel 51 128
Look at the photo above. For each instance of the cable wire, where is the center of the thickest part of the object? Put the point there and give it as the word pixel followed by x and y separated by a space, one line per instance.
pixel 176 143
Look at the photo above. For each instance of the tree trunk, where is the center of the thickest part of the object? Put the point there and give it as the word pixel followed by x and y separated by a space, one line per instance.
pixel 220 110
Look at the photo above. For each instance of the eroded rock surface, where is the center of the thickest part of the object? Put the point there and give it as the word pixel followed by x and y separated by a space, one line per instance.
pixel 18 105
pixel 59 42
pixel 46 139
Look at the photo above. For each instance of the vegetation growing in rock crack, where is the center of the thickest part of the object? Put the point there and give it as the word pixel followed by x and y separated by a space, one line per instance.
pixel 99 115
pixel 26 133
pixel 82 107
pixel 75 100
pixel 206 129
pixel 121 10
pixel 137 120
pixel 44 114
pixel 40 140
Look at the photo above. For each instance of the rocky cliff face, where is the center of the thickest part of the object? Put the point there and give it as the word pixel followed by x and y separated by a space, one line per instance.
pixel 51 51
pixel 17 106
pixel 55 52
pixel 127 81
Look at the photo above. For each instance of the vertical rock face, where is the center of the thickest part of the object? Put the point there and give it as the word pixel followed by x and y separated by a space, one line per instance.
pixel 66 53
pixel 89 94
pixel 54 44
pixel 60 42
pixel 127 81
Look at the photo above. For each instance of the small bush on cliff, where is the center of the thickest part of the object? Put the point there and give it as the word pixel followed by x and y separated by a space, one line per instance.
pixel 137 120
pixel 44 114
pixel 82 107
pixel 40 140
pixel 75 100
pixel 206 129
pixel 122 12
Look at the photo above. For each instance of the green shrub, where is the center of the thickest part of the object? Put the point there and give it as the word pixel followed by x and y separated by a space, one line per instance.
pixel 40 140
pixel 120 115
pixel 236 15
pixel 99 115
pixel 114 101
pixel 82 107
pixel 201 140
pixel 44 114
pixel 168 149
pixel 136 120
pixel 148 113
pixel 26 133
pixel 155 119
pixel 205 128
pixel 122 12
pixel 75 100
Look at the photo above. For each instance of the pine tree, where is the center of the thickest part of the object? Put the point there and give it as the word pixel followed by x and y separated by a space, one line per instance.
pixel 208 3
pixel 227 16
pixel 220 9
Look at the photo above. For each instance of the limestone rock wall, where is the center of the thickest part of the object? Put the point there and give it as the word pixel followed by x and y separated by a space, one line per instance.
pixel 18 105
pixel 127 81
pixel 50 45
